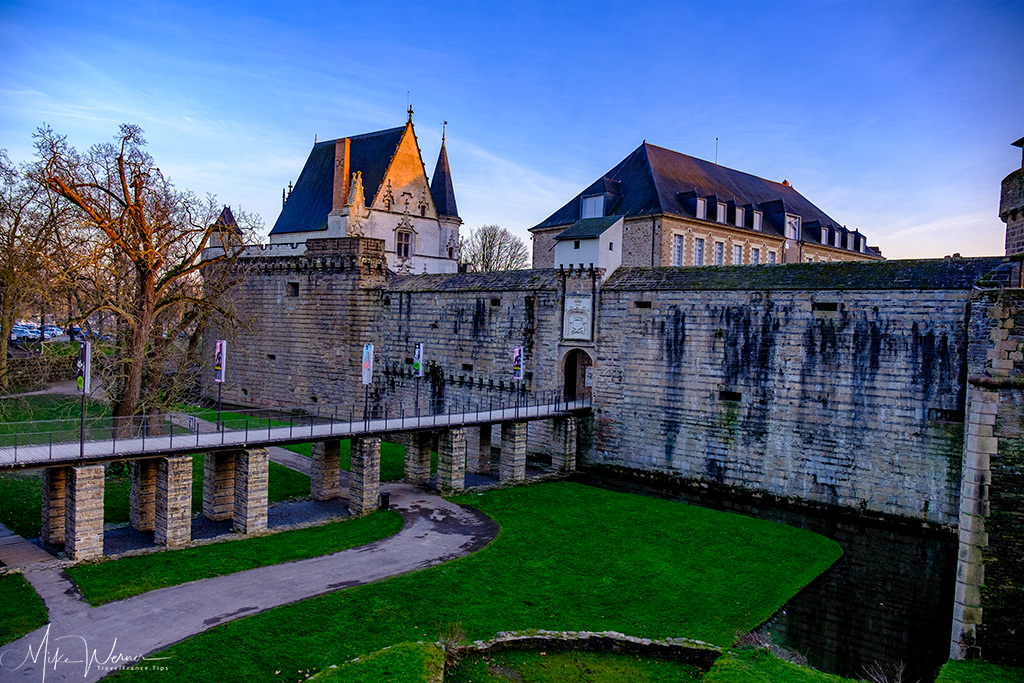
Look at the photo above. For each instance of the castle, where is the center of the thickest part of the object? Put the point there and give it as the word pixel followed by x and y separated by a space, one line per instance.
pixel 891 388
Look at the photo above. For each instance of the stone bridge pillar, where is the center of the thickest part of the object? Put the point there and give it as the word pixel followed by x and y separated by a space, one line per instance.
pixel 451 461
pixel 479 450
pixel 54 493
pixel 142 494
pixel 563 443
pixel 252 478
pixel 512 466
pixel 325 471
pixel 219 485
pixel 83 513
pixel 417 459
pixel 173 518
pixel 364 481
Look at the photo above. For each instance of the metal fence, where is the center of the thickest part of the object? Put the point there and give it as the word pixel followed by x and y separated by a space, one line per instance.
pixel 105 438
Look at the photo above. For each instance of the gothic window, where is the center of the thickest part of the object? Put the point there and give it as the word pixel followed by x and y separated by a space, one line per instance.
pixel 389 197
pixel 404 247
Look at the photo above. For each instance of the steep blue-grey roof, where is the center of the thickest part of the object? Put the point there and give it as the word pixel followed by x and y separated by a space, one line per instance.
pixel 313 195
pixel 441 188
pixel 654 180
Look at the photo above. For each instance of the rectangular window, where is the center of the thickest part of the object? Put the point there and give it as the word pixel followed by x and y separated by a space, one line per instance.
pixel 737 254
pixel 701 208
pixel 792 227
pixel 849 241
pixel 719 253
pixel 677 250
pixel 739 217
pixel 592 207
pixel 722 212
pixel 771 257
pixel 611 246
pixel 757 220
pixel 755 256
pixel 404 243
pixel 292 289
pixel 575 244
pixel 698 251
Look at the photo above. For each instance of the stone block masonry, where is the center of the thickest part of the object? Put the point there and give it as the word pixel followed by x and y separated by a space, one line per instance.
pixel 54 493
pixel 364 480
pixel 417 458
pixel 479 450
pixel 83 520
pixel 252 471
pixel 173 521
pixel 325 470
pixel 563 444
pixel 142 494
pixel 219 485
pixel 451 461
pixel 512 466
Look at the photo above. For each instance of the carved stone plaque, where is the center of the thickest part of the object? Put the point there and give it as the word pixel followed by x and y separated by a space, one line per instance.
pixel 577 317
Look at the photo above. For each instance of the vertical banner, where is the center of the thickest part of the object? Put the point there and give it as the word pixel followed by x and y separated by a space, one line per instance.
pixel 220 360
pixel 517 363
pixel 417 361
pixel 367 363
pixel 84 367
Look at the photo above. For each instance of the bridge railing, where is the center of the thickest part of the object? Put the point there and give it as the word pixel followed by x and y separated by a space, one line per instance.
pixel 187 429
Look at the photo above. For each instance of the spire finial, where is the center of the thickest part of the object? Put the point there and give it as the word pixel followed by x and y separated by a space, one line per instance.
pixel 408 101
pixel 443 126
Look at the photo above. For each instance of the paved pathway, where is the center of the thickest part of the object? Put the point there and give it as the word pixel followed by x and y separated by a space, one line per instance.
pixel 15 551
pixel 435 531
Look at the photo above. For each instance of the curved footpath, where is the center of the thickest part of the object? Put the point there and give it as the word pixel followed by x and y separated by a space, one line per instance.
pixel 83 643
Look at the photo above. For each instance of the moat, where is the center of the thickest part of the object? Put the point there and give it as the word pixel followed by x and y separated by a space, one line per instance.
pixel 887 600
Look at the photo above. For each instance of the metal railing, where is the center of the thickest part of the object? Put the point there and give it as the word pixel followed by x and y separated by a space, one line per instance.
pixel 42 441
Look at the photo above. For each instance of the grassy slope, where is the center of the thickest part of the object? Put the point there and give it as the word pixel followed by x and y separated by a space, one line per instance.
pixel 569 667
pixel 761 666
pixel 116 579
pixel 975 671
pixel 21 610
pixel 403 663
pixel 568 557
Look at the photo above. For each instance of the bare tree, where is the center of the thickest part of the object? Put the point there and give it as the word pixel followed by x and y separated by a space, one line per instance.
pixel 139 256
pixel 493 247
pixel 27 219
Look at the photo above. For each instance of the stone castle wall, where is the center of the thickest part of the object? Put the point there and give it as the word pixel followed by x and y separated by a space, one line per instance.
pixel 851 398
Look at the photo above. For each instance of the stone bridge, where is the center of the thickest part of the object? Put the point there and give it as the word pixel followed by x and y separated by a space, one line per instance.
pixel 236 466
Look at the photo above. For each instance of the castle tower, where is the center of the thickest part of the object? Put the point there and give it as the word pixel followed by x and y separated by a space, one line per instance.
pixel 1011 206
pixel 443 193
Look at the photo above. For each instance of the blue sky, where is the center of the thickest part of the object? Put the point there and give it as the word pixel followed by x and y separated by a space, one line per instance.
pixel 893 117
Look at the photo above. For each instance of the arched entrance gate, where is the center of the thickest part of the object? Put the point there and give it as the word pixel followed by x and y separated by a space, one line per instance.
pixel 578 375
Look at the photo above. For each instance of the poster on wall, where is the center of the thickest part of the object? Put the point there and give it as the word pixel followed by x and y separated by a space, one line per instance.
pixel 517 363
pixel 417 361
pixel 367 363
pixel 219 360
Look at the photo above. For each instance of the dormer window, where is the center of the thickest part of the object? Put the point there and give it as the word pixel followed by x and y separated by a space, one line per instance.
pixel 404 244
pixel 721 213
pixel 739 217
pixel 592 207
pixel 792 227
pixel 757 220
pixel 702 210
pixel 837 238
pixel 851 240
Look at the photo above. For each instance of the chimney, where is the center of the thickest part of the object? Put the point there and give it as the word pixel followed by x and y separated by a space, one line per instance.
pixel 341 174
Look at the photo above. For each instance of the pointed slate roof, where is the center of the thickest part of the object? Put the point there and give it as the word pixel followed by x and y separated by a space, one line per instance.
pixel 441 188
pixel 653 180
pixel 313 196
pixel 226 221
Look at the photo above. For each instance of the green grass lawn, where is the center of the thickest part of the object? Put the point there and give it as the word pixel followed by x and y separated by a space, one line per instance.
pixel 568 667
pixel 977 671
pixel 756 665
pixel 403 663
pixel 117 579
pixel 568 557
pixel 21 610
pixel 39 410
